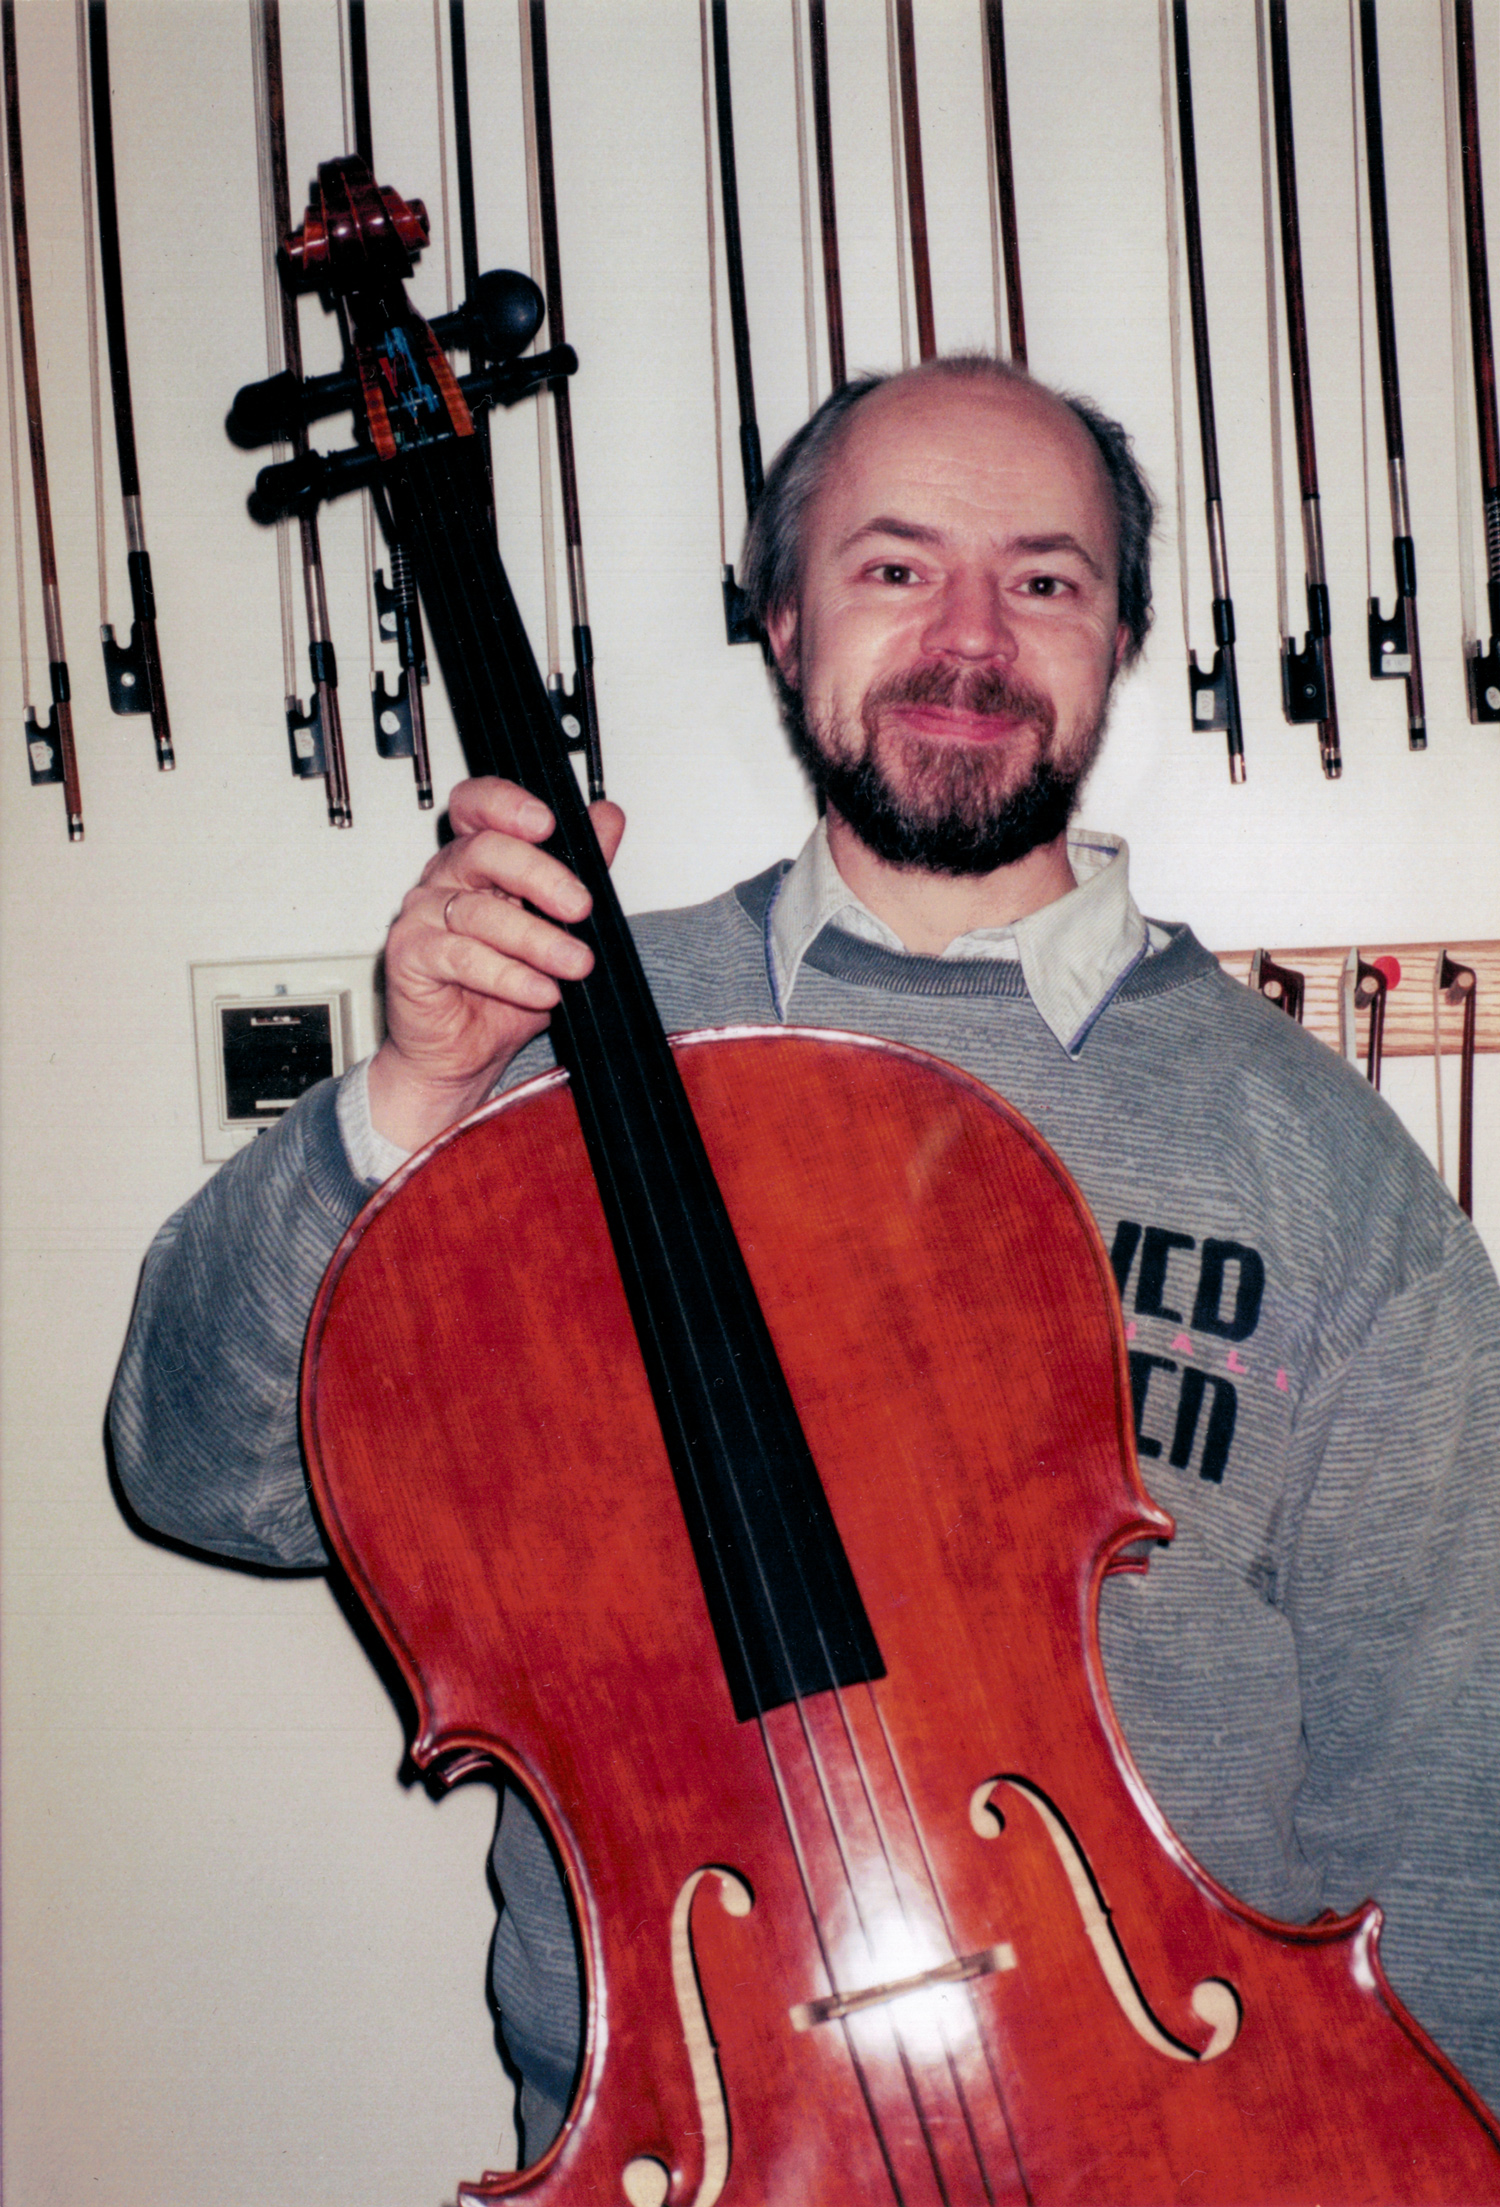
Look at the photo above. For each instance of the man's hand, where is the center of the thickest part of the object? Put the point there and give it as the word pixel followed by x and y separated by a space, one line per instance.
pixel 473 960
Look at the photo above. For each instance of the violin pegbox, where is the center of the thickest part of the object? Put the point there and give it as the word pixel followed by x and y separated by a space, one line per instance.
pixel 357 245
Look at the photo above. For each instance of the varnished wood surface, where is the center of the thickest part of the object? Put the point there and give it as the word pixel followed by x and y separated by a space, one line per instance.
pixel 487 1465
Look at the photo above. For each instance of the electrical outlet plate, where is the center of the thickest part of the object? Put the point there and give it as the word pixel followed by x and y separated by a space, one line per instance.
pixel 326 1011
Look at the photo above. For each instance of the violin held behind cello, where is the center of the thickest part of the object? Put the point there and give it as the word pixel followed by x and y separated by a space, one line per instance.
pixel 665 1448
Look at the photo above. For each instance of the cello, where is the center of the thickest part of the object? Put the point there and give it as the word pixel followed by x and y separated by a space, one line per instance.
pixel 797 1651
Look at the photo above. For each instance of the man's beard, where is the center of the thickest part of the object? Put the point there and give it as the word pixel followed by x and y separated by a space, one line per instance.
pixel 958 809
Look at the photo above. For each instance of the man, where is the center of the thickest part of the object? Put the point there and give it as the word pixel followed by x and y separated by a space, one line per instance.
pixel 951 569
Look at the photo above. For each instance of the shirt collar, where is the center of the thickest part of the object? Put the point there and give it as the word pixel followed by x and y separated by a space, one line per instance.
pixel 1074 953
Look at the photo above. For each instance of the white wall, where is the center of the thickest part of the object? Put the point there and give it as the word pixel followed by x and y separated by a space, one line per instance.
pixel 241 1960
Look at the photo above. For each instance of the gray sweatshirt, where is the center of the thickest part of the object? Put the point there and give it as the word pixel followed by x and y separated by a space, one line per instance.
pixel 1309 1676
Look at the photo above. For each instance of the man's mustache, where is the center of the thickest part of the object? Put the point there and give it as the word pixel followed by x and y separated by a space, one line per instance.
pixel 984 690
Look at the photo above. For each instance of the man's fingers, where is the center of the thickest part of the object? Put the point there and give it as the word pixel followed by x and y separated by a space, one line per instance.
pixel 609 826
pixel 519 936
pixel 489 802
pixel 490 860
pixel 519 983
pixel 474 962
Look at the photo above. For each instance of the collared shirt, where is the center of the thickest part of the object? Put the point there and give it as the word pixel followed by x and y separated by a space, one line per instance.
pixel 1074 953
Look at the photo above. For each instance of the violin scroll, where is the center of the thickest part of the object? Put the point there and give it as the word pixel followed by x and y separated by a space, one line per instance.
pixel 354 233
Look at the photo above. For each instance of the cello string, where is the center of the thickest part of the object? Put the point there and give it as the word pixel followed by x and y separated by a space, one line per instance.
pixel 980 2037
pixel 804 1874
pixel 904 2056
pixel 588 1006
pixel 586 1012
pixel 664 1230
pixel 587 1009
pixel 898 1886
pixel 851 1882
pixel 764 1581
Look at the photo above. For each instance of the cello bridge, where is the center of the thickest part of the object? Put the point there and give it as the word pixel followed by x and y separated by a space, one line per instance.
pixel 985 1963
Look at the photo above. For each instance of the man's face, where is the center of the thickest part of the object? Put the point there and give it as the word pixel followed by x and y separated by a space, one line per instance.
pixel 957 629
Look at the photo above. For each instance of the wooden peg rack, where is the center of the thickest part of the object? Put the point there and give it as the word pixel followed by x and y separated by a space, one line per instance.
pixel 1408 1005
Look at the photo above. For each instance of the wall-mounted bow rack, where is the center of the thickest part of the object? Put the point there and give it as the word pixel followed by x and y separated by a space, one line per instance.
pixel 1408 1000
pixel 1409 1011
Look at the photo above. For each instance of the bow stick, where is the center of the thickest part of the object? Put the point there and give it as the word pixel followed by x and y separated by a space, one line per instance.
pixel 575 704
pixel 133 670
pixel 1456 984
pixel 998 86
pixel 50 752
pixel 1395 649
pixel 1306 675
pixel 1363 988
pixel 315 734
pixel 400 714
pixel 1215 693
pixel 833 294
pixel 916 193
pixel 739 624
pixel 1482 666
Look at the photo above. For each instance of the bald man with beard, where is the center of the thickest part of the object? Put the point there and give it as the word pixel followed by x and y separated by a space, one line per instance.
pixel 951 567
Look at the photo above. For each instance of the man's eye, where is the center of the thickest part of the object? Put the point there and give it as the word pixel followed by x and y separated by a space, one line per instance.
pixel 893 570
pixel 1045 586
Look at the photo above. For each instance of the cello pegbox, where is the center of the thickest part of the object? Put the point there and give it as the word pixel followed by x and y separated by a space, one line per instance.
pixel 355 231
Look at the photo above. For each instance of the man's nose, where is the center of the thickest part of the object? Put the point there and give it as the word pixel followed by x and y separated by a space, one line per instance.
pixel 971 621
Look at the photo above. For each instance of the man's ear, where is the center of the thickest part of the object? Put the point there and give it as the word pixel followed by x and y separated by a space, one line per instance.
pixel 781 635
pixel 1122 646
